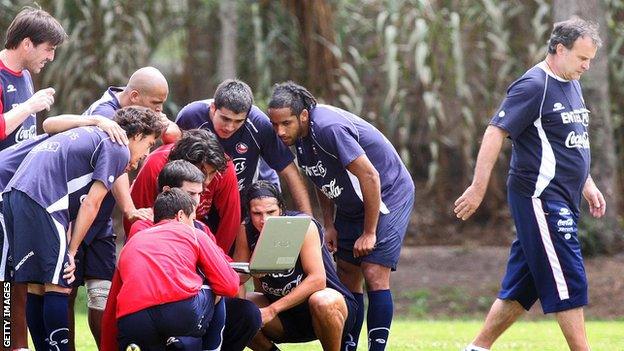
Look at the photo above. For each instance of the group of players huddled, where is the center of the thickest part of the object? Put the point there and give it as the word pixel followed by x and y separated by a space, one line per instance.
pixel 198 202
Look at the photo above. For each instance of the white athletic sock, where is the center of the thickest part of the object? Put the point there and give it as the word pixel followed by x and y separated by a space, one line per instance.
pixel 472 347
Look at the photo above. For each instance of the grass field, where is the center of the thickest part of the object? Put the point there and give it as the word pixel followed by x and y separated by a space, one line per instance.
pixel 453 335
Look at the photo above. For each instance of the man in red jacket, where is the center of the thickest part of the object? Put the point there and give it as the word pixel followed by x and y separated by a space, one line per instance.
pixel 243 317
pixel 219 205
pixel 161 292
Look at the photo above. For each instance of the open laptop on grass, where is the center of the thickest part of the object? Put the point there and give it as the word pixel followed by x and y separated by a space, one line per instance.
pixel 278 246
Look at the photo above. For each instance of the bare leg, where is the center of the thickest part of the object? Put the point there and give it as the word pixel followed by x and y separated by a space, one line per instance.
pixel 95 324
pixel 18 316
pixel 72 320
pixel 572 324
pixel 351 276
pixel 329 313
pixel 501 316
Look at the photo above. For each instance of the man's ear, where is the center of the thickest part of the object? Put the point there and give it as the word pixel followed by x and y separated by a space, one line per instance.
pixel 165 188
pixel 179 216
pixel 304 116
pixel 134 97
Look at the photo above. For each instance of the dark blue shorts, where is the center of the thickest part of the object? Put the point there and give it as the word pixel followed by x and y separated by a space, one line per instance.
pixel 37 241
pixel 151 327
pixel 5 271
pixel 545 261
pixel 96 260
pixel 391 230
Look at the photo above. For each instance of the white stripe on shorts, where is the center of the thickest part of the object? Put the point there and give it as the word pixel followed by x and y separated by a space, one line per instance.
pixel 5 249
pixel 62 232
pixel 555 266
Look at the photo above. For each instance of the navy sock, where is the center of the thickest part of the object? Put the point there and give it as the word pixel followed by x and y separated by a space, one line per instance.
pixel 34 319
pixel 213 338
pixel 379 318
pixel 56 320
pixel 350 341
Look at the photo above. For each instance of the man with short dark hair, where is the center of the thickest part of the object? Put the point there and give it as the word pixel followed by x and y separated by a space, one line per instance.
pixel 62 180
pixel 545 117
pixel 247 137
pixel 31 40
pixel 145 315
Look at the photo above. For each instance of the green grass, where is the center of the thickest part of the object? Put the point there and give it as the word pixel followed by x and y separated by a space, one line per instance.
pixel 453 335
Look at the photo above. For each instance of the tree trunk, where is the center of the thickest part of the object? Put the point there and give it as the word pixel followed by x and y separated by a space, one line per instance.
pixel 229 30
pixel 596 92
pixel 316 22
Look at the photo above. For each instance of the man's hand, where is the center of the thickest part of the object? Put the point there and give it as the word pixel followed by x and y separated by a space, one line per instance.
pixel 466 205
pixel 114 131
pixel 331 239
pixel 41 100
pixel 364 244
pixel 140 214
pixel 597 203
pixel 69 270
pixel 268 314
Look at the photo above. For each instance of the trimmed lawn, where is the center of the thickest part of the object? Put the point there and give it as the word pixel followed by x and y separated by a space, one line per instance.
pixel 453 335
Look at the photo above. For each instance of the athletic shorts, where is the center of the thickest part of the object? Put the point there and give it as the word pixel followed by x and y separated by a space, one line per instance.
pixel 95 260
pixel 38 242
pixel 150 328
pixel 545 261
pixel 391 230
pixel 5 261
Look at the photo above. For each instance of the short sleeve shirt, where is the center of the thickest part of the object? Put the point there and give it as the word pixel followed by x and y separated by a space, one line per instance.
pixel 336 139
pixel 254 139
pixel 547 121
pixel 15 88
pixel 58 172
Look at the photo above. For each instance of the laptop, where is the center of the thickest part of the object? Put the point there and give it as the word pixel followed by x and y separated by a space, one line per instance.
pixel 278 246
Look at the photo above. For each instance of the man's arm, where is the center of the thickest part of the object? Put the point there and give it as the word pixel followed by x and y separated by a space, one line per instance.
pixel 41 100
pixel 172 133
pixel 121 192
pixel 297 188
pixel 61 123
pixel 491 146
pixel 370 184
pixel 315 280
pixel 328 210
pixel 597 203
pixel 86 214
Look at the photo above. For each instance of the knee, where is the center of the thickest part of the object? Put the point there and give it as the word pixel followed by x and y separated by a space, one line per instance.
pixel 246 312
pixel 327 302
pixel 97 293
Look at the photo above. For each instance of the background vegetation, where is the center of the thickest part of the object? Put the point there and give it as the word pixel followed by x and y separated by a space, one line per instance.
pixel 427 73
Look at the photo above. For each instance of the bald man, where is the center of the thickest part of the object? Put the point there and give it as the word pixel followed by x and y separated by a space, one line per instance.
pixel 96 258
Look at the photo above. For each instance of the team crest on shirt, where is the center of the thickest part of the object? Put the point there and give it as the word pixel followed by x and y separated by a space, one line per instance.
pixel 558 107
pixel 241 148
pixel 11 88
pixel 564 211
